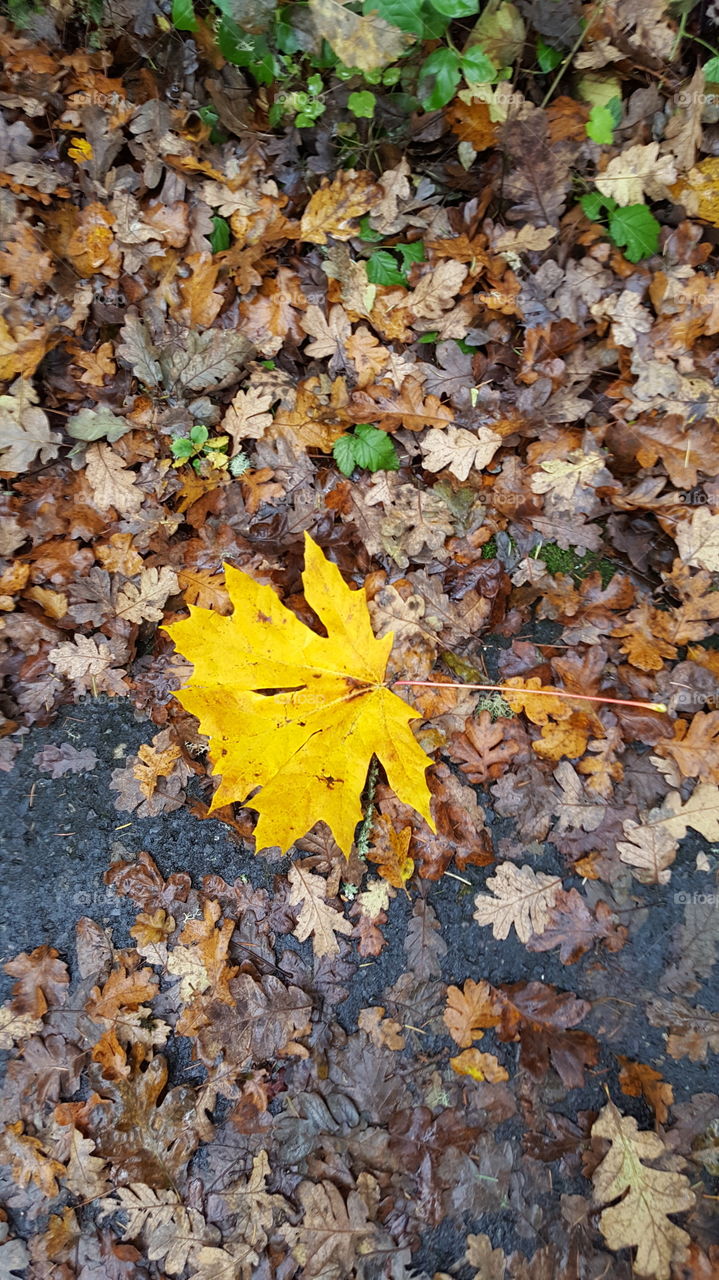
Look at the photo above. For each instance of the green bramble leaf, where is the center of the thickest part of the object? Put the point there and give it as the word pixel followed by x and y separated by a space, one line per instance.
pixel 592 204
pixel 456 8
pixel 635 229
pixel 366 446
pixel 410 253
pixel 374 449
pixel 343 452
pixel 382 268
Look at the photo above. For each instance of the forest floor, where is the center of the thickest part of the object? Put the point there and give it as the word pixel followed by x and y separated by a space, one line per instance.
pixel 409 315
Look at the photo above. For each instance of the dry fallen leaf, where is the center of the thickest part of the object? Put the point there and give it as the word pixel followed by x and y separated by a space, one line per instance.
pixel 459 450
pixel 522 897
pixel 333 210
pixel 318 919
pixel 367 43
pixel 640 1220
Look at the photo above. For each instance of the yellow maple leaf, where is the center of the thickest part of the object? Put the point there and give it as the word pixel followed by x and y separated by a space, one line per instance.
pixel 80 150
pixel 297 714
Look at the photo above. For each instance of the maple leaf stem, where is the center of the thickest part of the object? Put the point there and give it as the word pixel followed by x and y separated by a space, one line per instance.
pixel 547 693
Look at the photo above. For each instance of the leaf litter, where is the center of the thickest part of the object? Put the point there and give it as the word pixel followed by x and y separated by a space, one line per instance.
pixel 403 386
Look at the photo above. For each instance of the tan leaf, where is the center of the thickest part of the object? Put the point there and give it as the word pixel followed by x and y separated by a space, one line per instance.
pixel 410 408
pixel 470 1010
pixel 697 539
pixel 459 450
pixel 153 765
pixel 692 1030
pixel 144 601
pixel 80 657
pixel 481 1254
pixel 111 483
pixel 640 1220
pixel 332 1234
pixel 649 850
pixel 53 603
pixel 248 416
pixel 437 291
pixel 29 1160
pixel 85 1172
pixel 480 1066
pixel 637 170
pixel 204 588
pixel 384 1032
pixel 562 477
pixel 335 208
pixel 522 897
pixel 367 43
pixel 15 1026
pixel 329 335
pixel 24 429
pixel 318 918
pixel 694 747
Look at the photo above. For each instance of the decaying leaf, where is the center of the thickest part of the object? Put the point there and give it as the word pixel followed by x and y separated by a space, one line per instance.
pixel 364 42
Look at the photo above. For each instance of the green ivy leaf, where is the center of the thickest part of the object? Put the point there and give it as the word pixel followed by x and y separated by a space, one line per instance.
pixel 600 125
pixel 548 59
pixel 477 67
pixel 635 227
pixel 438 79
pixel 456 8
pixel 711 70
pixel 362 104
pixel 220 238
pixel 183 15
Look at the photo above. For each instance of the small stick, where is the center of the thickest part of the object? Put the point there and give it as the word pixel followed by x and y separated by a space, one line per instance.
pixel 542 693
